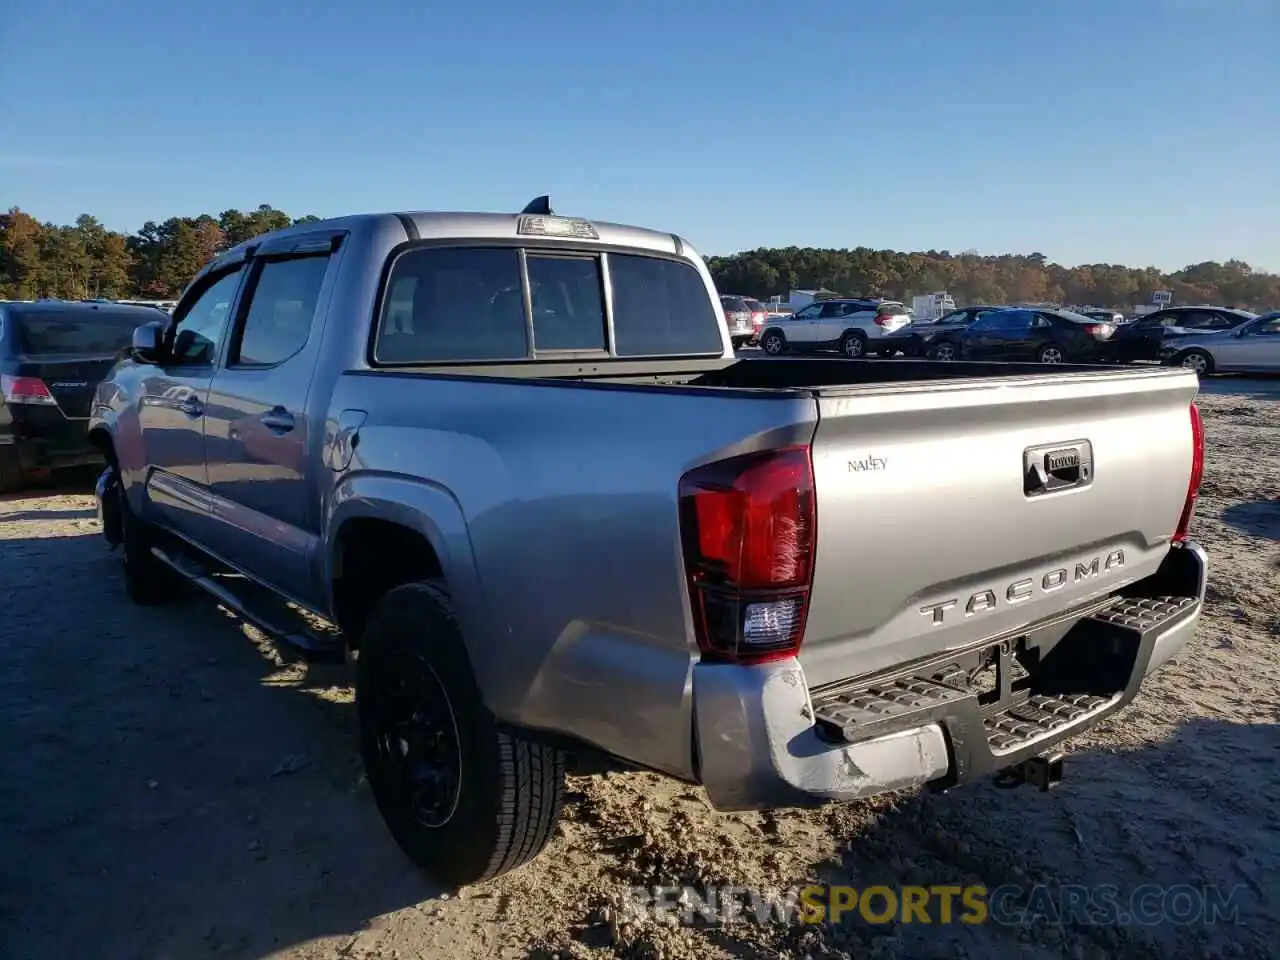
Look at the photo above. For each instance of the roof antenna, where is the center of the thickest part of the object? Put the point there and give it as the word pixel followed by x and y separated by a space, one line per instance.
pixel 539 206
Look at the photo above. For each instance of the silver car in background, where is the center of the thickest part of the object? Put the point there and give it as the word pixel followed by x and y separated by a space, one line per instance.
pixel 1252 347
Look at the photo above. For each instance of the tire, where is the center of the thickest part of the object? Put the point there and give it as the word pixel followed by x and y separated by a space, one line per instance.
pixel 854 344
pixel 946 351
pixel 490 799
pixel 10 470
pixel 1051 353
pixel 148 581
pixel 1200 361
pixel 773 343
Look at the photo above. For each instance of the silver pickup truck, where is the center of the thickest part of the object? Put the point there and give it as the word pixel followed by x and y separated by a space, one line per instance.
pixel 514 463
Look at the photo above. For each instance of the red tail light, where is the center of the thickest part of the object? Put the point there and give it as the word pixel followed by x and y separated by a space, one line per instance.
pixel 748 527
pixel 26 390
pixel 1197 475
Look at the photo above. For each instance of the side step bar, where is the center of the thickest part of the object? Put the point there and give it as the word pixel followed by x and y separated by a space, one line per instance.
pixel 219 586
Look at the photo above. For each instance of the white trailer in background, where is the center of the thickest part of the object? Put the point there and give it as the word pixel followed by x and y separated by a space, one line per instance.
pixel 931 306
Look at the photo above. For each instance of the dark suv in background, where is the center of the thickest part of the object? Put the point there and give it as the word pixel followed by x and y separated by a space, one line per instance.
pixel 52 356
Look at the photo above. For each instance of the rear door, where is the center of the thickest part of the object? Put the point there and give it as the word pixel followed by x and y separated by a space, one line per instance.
pixel 258 428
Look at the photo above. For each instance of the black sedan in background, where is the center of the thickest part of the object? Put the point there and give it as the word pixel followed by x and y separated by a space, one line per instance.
pixel 938 339
pixel 53 354
pixel 1144 338
pixel 1042 336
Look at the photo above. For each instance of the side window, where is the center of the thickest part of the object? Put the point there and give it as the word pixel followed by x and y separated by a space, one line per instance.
pixel 282 306
pixel 661 308
pixel 1041 322
pixel 453 303
pixel 1195 319
pixel 986 323
pixel 1267 328
pixel 201 327
pixel 1218 321
pixel 809 312
pixel 833 310
pixel 568 303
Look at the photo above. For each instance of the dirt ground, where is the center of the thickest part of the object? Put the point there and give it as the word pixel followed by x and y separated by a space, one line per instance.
pixel 174 786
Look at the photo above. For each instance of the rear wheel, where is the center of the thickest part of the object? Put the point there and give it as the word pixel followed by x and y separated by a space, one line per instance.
pixel 943 351
pixel 465 798
pixel 1198 360
pixel 10 470
pixel 854 344
pixel 1051 353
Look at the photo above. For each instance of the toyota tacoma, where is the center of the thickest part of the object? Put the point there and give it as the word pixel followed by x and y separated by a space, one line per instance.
pixel 512 466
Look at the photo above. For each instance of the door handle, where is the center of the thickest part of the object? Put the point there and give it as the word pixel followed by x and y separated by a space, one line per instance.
pixel 191 406
pixel 279 420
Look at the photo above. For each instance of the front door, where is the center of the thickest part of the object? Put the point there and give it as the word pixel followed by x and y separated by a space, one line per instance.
pixel 171 406
pixel 260 434
pixel 802 326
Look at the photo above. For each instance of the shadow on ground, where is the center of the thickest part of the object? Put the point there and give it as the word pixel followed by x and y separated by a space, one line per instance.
pixel 169 790
pixel 1173 830
pixel 1260 519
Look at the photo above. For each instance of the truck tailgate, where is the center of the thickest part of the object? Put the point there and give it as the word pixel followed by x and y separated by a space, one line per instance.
pixel 930 534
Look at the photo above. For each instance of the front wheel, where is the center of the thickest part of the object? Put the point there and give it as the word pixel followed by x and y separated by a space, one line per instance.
pixel 464 798
pixel 148 581
pixel 773 343
pixel 1198 360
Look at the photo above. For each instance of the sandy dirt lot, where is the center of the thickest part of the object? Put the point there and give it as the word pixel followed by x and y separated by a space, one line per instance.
pixel 174 786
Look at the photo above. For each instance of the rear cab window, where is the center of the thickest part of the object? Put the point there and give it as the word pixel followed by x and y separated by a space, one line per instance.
pixel 504 303
pixel 71 332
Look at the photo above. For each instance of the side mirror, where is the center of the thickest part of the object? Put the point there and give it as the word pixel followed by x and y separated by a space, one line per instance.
pixel 1238 332
pixel 147 343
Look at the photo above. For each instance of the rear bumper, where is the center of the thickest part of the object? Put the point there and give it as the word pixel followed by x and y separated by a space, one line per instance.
pixel 65 449
pixel 765 740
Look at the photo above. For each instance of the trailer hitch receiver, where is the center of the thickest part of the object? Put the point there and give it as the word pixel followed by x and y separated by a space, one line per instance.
pixel 1043 772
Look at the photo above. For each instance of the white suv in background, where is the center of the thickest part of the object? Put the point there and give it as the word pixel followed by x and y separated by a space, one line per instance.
pixel 855 327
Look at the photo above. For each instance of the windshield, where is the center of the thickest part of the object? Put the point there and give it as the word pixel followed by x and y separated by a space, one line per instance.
pixel 73 332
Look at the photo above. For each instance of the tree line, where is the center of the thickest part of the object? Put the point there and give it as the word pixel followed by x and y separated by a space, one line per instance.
pixel 84 259
pixel 971 278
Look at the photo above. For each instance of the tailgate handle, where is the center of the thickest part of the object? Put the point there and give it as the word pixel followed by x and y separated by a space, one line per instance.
pixel 1055 467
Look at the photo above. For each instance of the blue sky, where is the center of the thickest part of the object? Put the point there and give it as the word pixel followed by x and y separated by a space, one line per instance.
pixel 1132 131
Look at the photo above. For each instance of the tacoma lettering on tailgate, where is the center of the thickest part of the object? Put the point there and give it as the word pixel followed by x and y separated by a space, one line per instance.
pixel 1026 588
